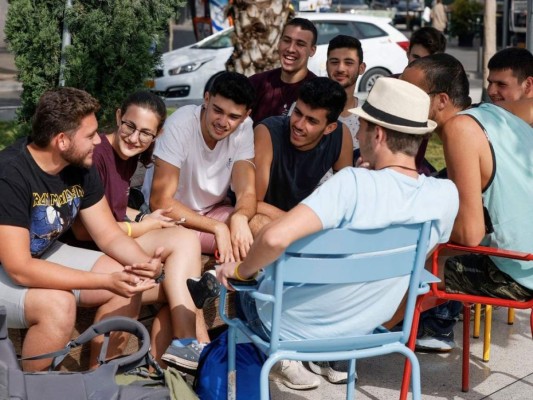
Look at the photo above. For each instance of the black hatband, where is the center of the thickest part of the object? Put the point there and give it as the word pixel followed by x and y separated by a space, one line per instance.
pixel 389 118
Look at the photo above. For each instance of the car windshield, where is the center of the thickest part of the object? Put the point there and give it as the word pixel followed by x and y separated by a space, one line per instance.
pixel 348 3
pixel 217 42
pixel 413 5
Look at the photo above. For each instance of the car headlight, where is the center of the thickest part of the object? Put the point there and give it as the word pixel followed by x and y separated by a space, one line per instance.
pixel 183 69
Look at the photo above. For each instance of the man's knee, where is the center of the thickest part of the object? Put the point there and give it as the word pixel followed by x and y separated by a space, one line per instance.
pixel 48 306
pixel 181 239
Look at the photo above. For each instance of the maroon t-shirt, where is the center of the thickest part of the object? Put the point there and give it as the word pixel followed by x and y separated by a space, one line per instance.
pixel 273 97
pixel 115 174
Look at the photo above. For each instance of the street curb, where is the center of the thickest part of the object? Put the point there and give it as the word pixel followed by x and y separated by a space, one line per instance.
pixel 10 86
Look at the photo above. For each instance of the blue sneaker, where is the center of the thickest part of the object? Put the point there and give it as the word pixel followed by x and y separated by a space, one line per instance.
pixel 184 357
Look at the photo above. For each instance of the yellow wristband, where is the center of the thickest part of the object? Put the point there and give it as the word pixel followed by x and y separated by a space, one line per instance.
pixel 128 226
pixel 240 278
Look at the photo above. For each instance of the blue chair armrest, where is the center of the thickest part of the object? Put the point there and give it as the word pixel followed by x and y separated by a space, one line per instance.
pixel 426 278
pixel 244 288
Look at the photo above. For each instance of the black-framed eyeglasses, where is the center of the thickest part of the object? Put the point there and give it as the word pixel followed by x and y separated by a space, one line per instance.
pixel 129 128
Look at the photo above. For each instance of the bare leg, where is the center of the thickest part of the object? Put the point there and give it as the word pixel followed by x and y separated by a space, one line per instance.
pixel 109 304
pixel 51 315
pixel 161 334
pixel 182 261
pixel 201 329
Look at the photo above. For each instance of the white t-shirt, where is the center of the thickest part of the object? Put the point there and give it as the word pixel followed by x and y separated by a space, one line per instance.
pixel 362 199
pixel 205 174
pixel 352 122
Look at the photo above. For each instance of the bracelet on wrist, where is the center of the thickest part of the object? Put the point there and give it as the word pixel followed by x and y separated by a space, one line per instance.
pixel 240 278
pixel 128 227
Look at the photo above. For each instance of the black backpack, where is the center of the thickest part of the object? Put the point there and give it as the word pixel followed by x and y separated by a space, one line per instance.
pixel 98 384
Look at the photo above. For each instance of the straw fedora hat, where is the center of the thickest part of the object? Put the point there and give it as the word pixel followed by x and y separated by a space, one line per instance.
pixel 397 105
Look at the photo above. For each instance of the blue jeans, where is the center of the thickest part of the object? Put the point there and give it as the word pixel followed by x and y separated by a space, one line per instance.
pixel 439 322
pixel 247 311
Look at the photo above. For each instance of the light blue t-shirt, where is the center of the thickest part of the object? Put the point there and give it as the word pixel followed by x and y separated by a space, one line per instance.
pixel 363 199
pixel 509 195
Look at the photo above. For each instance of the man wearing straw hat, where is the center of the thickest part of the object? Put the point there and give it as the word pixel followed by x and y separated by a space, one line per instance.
pixel 394 121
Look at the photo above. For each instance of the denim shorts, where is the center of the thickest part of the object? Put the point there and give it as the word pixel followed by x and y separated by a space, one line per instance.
pixel 478 275
pixel 247 311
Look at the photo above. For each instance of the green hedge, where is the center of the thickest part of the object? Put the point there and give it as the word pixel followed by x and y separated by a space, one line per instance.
pixel 112 50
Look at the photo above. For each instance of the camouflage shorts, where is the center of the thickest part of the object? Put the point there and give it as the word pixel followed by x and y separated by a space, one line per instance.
pixel 478 275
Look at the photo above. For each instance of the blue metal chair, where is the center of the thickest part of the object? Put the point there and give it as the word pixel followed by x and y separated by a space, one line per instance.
pixel 339 256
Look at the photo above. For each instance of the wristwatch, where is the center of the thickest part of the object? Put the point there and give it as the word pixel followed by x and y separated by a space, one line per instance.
pixel 161 277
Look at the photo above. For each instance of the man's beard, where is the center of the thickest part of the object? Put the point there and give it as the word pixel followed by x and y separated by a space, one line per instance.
pixel 75 158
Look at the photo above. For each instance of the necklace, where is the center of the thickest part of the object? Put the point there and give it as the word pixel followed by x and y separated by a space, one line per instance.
pixel 398 166
pixel 288 94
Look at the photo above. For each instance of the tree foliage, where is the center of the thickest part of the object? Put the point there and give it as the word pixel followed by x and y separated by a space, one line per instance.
pixel 112 50
pixel 464 14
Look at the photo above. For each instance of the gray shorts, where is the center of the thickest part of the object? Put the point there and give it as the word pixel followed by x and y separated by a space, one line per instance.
pixel 12 295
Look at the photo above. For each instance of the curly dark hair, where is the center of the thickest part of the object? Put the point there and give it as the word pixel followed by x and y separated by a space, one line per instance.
pixel 60 110
pixel 324 93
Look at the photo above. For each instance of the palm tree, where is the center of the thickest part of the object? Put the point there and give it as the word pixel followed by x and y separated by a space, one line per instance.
pixel 258 27
pixel 489 37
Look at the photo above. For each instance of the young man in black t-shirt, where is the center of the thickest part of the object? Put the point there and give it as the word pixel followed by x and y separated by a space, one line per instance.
pixel 297 151
pixel 45 184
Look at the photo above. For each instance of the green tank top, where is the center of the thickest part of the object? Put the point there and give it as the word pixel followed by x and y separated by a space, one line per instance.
pixel 508 196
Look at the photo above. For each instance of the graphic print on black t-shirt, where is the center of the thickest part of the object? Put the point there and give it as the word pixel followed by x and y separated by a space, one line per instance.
pixel 51 215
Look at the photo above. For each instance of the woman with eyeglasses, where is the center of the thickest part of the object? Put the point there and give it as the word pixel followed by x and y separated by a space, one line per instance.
pixel 139 121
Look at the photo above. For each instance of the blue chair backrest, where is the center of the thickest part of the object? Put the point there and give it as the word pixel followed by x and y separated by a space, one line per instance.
pixel 343 255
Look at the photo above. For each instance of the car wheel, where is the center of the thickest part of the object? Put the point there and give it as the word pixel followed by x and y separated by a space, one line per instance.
pixel 370 77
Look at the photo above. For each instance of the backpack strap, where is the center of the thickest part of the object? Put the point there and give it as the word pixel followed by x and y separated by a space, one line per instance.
pixel 105 327
pixel 58 356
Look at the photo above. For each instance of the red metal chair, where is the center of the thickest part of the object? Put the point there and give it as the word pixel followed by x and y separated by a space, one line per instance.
pixel 437 296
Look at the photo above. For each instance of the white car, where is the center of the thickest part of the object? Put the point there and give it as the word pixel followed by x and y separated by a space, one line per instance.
pixel 185 71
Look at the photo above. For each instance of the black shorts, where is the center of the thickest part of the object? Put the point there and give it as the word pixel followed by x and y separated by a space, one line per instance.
pixel 478 275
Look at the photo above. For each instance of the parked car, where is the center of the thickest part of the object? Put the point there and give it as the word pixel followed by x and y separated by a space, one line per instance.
pixel 383 4
pixel 415 14
pixel 185 71
pixel 348 6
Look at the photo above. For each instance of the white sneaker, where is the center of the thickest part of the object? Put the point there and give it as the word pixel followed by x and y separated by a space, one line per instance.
pixel 334 371
pixel 293 375
pixel 434 344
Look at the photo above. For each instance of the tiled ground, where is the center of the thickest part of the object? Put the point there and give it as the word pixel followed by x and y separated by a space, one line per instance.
pixel 508 374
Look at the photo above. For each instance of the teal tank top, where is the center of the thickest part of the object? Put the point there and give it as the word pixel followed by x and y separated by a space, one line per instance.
pixel 509 195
